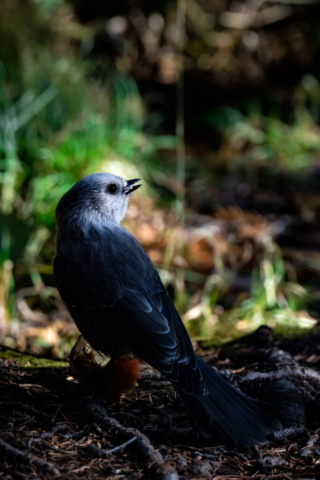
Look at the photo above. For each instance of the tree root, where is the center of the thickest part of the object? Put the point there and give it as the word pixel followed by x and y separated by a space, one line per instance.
pixel 150 460
pixel 298 373
pixel 17 455
pixel 24 408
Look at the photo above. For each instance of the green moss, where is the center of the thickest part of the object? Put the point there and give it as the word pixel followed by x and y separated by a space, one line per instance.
pixel 29 362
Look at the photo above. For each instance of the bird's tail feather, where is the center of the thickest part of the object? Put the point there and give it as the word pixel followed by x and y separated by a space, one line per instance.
pixel 226 416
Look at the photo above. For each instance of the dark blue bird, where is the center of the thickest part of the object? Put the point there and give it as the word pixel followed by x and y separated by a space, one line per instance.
pixel 119 304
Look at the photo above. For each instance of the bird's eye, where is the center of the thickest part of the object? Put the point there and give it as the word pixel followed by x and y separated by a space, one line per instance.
pixel 112 188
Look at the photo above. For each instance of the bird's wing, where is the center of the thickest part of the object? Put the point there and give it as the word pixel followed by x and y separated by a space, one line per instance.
pixel 153 330
pixel 142 316
pixel 102 267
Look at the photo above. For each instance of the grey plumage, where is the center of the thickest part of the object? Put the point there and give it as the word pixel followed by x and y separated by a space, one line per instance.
pixel 118 302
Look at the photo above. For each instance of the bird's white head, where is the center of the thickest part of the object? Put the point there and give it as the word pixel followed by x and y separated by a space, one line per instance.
pixel 97 197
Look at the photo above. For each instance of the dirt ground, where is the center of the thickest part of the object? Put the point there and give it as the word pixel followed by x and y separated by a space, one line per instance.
pixel 53 427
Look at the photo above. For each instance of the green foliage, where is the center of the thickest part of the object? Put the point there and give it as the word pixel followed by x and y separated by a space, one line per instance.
pixel 59 121
pixel 275 299
pixel 63 117
pixel 256 137
pixel 273 296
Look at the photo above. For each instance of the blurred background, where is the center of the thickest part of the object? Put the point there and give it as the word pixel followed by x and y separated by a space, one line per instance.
pixel 215 104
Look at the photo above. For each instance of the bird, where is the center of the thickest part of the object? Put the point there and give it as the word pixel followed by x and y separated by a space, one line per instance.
pixel 118 302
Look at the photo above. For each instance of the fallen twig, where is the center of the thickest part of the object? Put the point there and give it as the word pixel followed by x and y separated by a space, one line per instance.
pixel 106 452
pixel 46 435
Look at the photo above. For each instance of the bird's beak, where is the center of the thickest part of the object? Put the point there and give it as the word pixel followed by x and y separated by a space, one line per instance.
pixel 129 188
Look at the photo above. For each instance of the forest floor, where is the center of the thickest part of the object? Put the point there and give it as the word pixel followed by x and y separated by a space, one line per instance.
pixel 54 427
